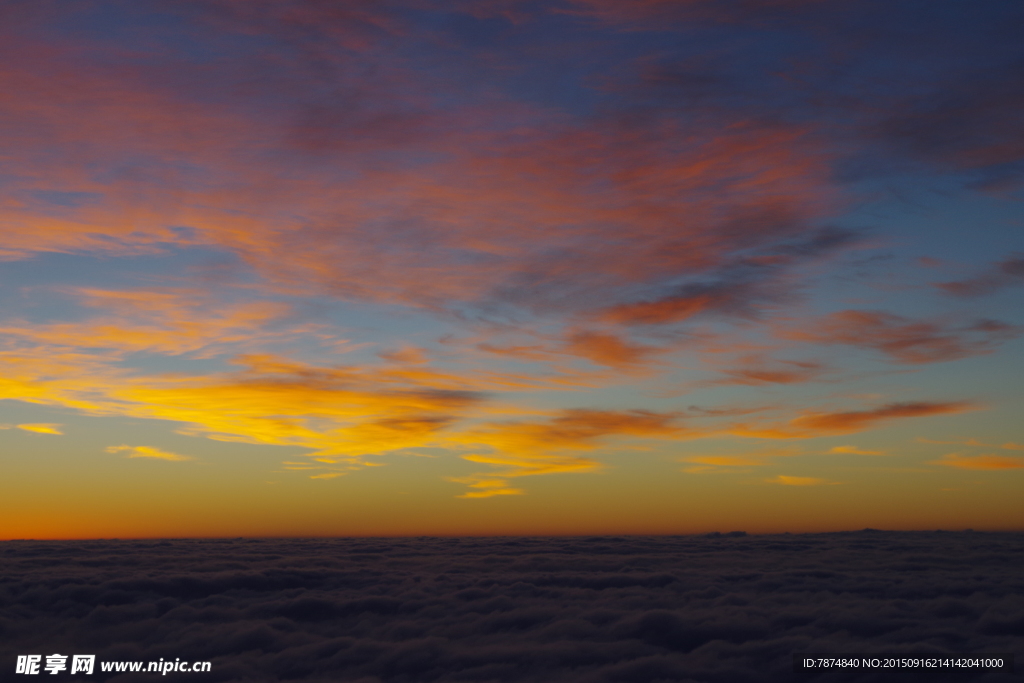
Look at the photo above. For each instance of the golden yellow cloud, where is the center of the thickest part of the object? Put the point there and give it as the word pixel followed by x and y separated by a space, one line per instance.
pixel 486 487
pixel 339 411
pixel 148 452
pixel 488 493
pixel 41 428
pixel 342 414
pixel 527 448
pixel 345 415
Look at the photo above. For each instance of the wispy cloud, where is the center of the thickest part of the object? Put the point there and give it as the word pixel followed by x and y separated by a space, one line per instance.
pixel 980 462
pixel 486 488
pixel 1006 273
pixel 813 424
pixel 853 450
pixel 755 371
pixel 751 458
pixel 529 448
pixel 787 480
pixel 726 461
pixel 652 14
pixel 608 349
pixel 904 340
pixel 147 452
pixel 1009 445
pixel 168 321
pixel 340 412
pixel 737 286
pixel 41 428
pixel 857 420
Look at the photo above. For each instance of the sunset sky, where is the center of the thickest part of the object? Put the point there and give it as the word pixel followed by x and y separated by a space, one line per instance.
pixel 434 267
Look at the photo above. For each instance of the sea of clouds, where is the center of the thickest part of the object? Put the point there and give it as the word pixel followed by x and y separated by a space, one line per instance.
pixel 725 608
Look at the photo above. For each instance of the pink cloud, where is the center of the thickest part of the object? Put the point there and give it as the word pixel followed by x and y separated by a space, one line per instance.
pixel 902 339
pixel 815 424
pixel 757 372
pixel 1006 273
